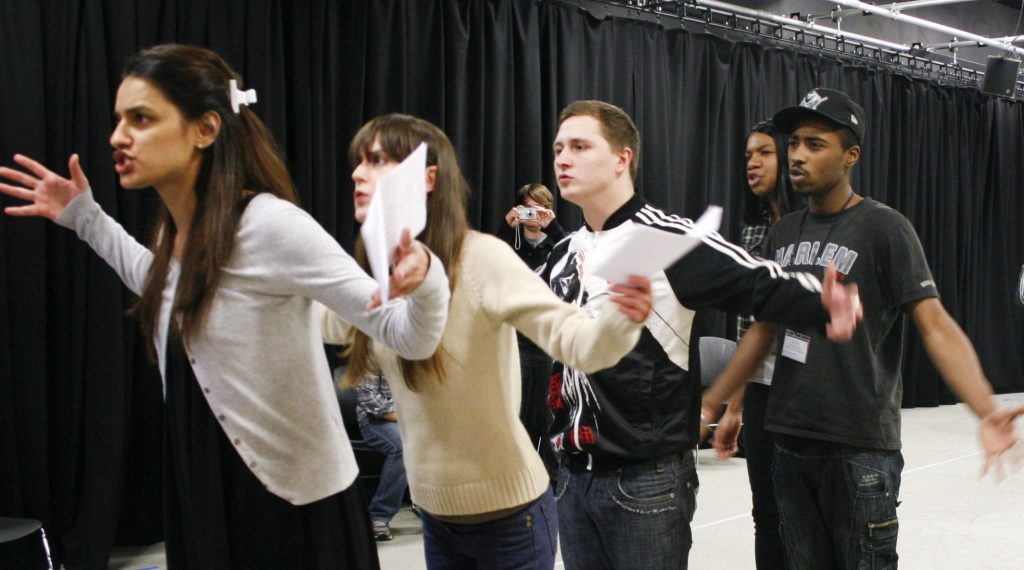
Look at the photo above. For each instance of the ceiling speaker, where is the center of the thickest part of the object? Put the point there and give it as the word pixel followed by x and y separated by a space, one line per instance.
pixel 1000 76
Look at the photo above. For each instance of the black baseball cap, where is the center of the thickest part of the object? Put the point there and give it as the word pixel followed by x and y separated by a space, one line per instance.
pixel 829 104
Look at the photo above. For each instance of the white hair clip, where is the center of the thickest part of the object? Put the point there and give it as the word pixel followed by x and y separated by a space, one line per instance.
pixel 239 97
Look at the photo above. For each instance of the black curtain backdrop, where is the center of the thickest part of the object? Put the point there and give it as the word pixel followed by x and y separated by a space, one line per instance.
pixel 80 410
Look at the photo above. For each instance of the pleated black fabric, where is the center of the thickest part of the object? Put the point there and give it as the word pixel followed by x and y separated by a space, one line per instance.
pixel 218 514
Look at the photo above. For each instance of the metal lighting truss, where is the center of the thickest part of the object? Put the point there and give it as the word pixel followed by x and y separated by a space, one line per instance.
pixel 807 35
pixel 838 14
pixel 894 13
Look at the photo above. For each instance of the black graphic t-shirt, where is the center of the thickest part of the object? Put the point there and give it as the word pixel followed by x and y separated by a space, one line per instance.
pixel 850 392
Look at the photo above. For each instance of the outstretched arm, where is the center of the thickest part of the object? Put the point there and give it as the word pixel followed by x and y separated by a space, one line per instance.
pixel 69 203
pixel 731 279
pixel 46 192
pixel 408 270
pixel 954 357
pixel 509 292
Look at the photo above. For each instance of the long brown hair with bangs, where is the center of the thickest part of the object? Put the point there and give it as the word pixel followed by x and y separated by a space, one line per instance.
pixel 242 161
pixel 398 136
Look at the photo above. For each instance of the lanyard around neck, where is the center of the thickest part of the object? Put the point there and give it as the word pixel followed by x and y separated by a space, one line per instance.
pixel 828 233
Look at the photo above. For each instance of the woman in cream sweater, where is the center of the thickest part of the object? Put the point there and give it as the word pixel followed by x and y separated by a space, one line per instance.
pixel 470 463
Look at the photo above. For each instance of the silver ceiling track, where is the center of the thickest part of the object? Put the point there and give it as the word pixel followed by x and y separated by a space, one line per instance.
pixel 806 35
pixel 955 43
pixel 838 14
pixel 894 13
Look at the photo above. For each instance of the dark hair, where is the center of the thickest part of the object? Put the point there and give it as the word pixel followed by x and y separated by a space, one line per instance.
pixel 539 193
pixel 616 126
pixel 243 160
pixel 847 137
pixel 753 205
pixel 446 229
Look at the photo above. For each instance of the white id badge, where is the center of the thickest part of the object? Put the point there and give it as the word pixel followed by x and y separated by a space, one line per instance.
pixel 794 346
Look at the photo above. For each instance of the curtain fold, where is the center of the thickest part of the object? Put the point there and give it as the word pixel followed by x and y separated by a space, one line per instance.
pixel 80 408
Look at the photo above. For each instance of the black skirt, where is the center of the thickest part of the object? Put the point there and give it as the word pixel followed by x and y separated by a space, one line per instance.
pixel 218 514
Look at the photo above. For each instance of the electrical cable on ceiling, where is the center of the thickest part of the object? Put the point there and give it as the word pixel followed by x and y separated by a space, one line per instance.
pixel 1019 14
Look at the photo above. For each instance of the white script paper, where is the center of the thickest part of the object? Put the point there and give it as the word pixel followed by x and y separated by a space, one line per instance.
pixel 400 202
pixel 644 251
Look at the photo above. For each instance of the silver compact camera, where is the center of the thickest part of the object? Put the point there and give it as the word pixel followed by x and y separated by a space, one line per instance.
pixel 527 213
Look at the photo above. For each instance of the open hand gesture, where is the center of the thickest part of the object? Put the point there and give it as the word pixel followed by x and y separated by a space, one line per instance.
pixel 843 305
pixel 1000 441
pixel 47 192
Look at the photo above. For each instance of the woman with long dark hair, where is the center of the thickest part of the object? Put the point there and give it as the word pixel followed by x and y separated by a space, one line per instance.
pixel 471 467
pixel 769 197
pixel 257 463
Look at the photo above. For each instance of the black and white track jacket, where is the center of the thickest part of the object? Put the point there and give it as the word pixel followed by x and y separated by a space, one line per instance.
pixel 645 407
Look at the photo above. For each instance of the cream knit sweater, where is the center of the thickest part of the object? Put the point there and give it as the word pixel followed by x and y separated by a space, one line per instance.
pixel 466 452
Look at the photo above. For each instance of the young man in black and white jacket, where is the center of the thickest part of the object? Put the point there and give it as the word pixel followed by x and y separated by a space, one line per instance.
pixel 627 486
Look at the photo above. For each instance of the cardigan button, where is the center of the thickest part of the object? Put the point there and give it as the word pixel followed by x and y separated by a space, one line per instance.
pixel 238 442
pixel 221 417
pixel 252 464
pixel 207 390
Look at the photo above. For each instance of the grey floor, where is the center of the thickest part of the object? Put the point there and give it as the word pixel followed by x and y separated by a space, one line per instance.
pixel 949 519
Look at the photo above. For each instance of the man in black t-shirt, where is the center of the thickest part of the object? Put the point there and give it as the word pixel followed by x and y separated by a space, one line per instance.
pixel 836 407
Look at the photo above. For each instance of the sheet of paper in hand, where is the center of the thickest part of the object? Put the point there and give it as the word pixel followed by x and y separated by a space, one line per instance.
pixel 399 203
pixel 644 251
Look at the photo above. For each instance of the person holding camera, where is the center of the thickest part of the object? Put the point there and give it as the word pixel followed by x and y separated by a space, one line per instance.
pixel 533 218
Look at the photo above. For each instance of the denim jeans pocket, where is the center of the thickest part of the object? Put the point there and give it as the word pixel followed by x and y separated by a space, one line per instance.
pixel 878 545
pixel 644 490
pixel 868 477
pixel 873 481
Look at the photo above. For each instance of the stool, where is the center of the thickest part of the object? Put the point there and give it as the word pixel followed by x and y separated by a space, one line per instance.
pixel 12 529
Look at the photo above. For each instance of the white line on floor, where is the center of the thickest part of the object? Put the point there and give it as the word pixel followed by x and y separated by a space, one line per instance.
pixel 923 467
pixel 905 472
pixel 706 525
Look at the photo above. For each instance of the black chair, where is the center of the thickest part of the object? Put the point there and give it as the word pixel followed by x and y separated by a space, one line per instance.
pixel 16 552
pixel 715 353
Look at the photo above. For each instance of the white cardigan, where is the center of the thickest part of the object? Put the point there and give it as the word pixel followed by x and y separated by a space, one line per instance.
pixel 259 359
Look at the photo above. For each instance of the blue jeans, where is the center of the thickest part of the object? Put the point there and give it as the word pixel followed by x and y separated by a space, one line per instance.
pixel 637 516
pixel 525 540
pixel 837 504
pixel 384 437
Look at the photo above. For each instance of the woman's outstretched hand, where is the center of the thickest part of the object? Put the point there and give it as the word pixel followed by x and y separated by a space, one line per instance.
pixel 46 192
pixel 408 270
pixel 634 298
